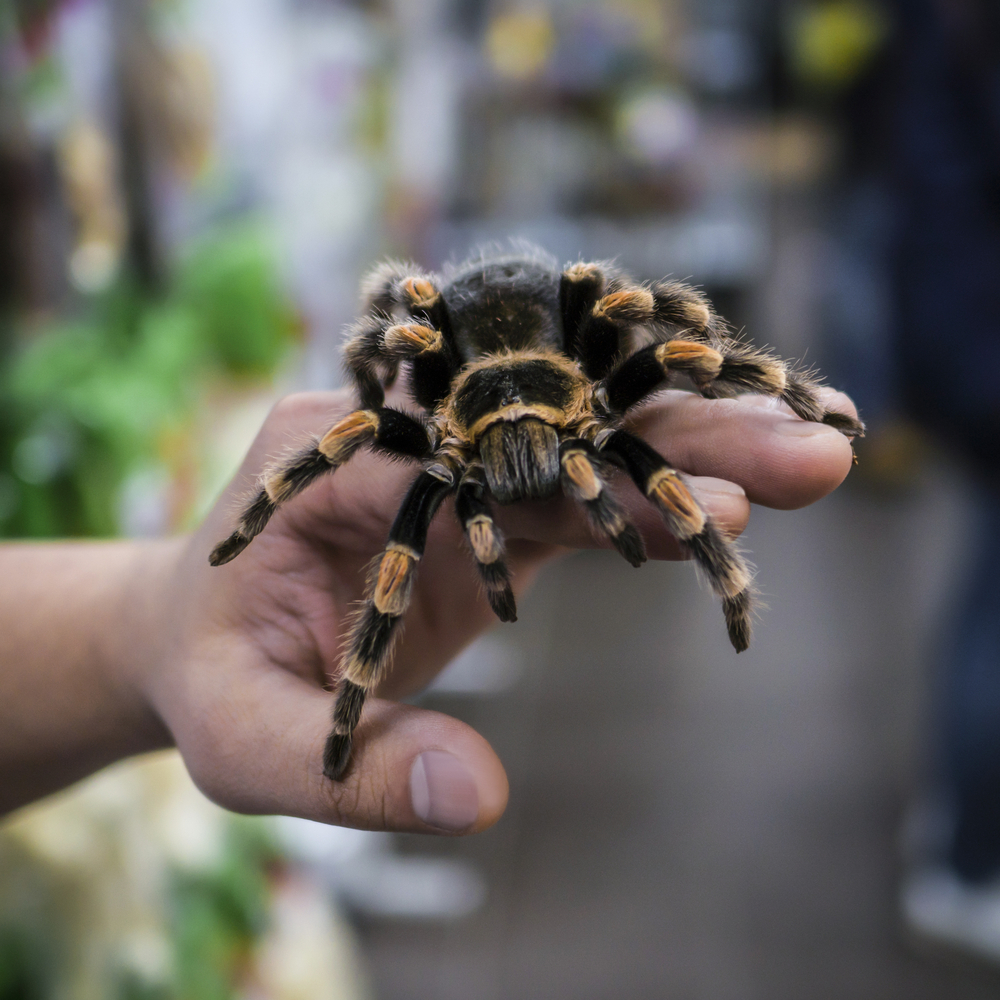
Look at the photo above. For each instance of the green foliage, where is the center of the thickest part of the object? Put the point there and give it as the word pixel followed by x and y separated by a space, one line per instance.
pixel 133 987
pixel 211 923
pixel 33 931
pixel 22 972
pixel 217 915
pixel 87 402
pixel 231 286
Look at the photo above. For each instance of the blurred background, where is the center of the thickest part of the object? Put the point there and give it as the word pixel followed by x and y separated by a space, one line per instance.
pixel 189 193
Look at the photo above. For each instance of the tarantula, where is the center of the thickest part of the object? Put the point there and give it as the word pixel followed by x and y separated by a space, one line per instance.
pixel 525 374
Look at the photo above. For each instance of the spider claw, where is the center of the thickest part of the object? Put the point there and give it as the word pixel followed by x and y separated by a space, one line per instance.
pixel 336 756
pixel 228 549
pixel 737 612
pixel 502 603
pixel 252 523
pixel 630 544
pixel 847 425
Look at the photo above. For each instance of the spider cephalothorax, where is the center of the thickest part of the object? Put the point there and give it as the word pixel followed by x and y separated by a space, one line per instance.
pixel 525 373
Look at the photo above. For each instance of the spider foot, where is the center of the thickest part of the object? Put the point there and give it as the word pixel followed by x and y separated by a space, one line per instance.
pixel 336 756
pixel 737 612
pixel 503 604
pixel 228 549
pixel 499 593
pixel 630 544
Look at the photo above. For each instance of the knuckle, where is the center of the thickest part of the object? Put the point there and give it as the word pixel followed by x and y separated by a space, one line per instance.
pixel 363 799
pixel 307 407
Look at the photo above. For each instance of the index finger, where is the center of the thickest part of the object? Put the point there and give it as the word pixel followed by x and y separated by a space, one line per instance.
pixel 780 460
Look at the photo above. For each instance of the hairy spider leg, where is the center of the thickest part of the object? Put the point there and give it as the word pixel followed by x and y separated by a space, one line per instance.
pixel 386 429
pixel 727 572
pixel 433 363
pixel 487 543
pixel 366 361
pixel 599 305
pixel 746 368
pixel 802 395
pixel 725 369
pixel 597 314
pixel 374 629
pixel 601 312
pixel 379 342
pixel 384 287
pixel 679 308
pixel 377 346
pixel 682 309
pixel 652 368
pixel 580 286
pixel 582 480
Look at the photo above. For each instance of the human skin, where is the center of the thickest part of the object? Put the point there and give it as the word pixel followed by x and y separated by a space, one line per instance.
pixel 111 649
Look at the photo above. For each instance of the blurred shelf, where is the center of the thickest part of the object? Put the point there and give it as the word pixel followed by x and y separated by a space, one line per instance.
pixel 730 248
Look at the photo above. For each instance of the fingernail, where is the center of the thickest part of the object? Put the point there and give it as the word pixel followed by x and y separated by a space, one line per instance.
pixel 443 791
pixel 793 427
pixel 708 484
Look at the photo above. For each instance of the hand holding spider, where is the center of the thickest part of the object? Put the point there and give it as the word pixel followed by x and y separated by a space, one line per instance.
pixel 242 689
pixel 111 649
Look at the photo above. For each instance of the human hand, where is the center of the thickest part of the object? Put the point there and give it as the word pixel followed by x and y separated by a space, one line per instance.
pixel 241 678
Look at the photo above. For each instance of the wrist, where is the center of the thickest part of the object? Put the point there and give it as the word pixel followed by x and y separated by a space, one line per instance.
pixel 74 628
pixel 138 639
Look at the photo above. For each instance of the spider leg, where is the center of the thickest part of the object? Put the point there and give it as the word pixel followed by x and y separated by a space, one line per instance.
pixel 652 368
pixel 724 369
pixel 672 305
pixel 397 284
pixel 599 311
pixel 580 286
pixel 679 308
pixel 599 308
pixel 746 368
pixel 380 341
pixel 433 363
pixel 727 572
pixel 377 345
pixel 682 310
pixel 487 544
pixel 387 429
pixel 375 628
pixel 582 480
pixel 802 395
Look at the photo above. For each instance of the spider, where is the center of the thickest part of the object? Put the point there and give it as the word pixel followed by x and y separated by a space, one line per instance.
pixel 525 374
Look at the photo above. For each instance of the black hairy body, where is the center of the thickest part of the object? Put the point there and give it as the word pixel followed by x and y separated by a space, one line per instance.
pixel 525 373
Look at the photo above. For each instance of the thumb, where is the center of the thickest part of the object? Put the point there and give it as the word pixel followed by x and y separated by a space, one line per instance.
pixel 258 748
